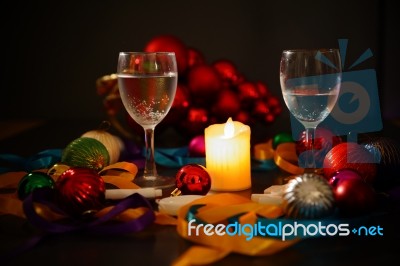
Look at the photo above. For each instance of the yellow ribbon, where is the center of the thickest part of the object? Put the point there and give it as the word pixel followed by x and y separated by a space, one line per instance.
pixel 264 151
pixel 285 156
pixel 217 209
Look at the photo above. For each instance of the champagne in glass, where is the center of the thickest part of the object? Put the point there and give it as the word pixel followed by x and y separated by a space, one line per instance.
pixel 310 82
pixel 147 84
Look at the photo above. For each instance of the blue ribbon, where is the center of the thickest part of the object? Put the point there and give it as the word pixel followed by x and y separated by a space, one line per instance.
pixel 168 157
pixel 41 160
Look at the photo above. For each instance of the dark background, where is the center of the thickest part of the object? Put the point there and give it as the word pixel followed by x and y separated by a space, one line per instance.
pixel 53 51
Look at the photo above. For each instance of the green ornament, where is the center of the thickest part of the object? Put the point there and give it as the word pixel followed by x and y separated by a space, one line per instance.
pixel 281 138
pixel 86 152
pixel 32 181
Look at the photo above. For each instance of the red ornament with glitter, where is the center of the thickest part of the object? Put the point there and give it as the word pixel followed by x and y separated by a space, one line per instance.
pixel 193 179
pixel 353 156
pixel 80 191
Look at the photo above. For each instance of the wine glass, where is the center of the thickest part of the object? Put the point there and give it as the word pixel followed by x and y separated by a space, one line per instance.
pixel 310 82
pixel 147 84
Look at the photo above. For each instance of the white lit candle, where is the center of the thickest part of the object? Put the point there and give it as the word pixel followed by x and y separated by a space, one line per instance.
pixel 228 156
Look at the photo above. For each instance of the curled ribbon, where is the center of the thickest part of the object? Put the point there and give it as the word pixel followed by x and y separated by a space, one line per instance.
pixel 222 209
pixel 284 156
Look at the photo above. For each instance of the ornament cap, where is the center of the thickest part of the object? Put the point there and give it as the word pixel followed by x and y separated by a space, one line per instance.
pixel 176 192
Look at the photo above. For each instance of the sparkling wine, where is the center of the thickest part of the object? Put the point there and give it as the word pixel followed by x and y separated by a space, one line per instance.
pixel 147 98
pixel 309 108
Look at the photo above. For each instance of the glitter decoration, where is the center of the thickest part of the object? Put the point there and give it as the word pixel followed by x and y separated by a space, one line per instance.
pixel 86 152
pixel 308 196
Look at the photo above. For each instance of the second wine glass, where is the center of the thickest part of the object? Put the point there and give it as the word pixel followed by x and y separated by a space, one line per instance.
pixel 147 84
pixel 310 83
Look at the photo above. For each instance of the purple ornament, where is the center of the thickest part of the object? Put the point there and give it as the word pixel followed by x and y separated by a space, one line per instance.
pixel 342 174
pixel 193 179
pixel 197 147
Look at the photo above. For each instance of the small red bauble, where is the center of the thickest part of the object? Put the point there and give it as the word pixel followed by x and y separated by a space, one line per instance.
pixel 243 117
pixel 352 194
pixel 350 155
pixel 204 83
pixel 248 92
pixel 262 89
pixel 169 43
pixel 195 57
pixel 179 107
pixel 80 191
pixel 260 109
pixel 227 105
pixel 343 174
pixel 197 147
pixel 273 102
pixel 227 70
pixel 193 179
pixel 196 121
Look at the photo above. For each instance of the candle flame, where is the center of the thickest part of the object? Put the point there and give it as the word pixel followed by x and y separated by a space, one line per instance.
pixel 229 129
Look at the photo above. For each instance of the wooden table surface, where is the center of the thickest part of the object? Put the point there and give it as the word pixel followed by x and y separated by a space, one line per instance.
pixel 160 245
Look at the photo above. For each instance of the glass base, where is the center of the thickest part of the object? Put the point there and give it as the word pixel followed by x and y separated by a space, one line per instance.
pixel 154 181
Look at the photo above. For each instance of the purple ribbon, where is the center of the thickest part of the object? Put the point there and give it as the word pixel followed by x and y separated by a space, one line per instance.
pixel 98 225
pixel 93 225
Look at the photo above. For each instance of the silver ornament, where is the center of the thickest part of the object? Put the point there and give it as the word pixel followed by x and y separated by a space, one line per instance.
pixel 308 196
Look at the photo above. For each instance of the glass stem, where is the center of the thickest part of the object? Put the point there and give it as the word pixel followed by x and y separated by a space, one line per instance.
pixel 310 155
pixel 150 170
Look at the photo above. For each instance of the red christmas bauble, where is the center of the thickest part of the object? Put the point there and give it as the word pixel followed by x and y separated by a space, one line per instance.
pixel 248 92
pixel 352 194
pixel 204 84
pixel 169 43
pixel 227 104
pixel 243 117
pixel 324 141
pixel 80 191
pixel 350 155
pixel 196 121
pixel 197 146
pixel 227 71
pixel 179 107
pixel 273 102
pixel 193 179
pixel 262 89
pixel 345 173
pixel 269 118
pixel 195 57
pixel 260 109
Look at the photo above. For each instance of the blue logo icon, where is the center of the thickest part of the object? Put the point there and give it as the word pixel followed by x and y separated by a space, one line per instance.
pixel 357 109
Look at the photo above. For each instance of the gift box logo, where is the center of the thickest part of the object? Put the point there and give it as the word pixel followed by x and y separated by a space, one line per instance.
pixel 357 109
